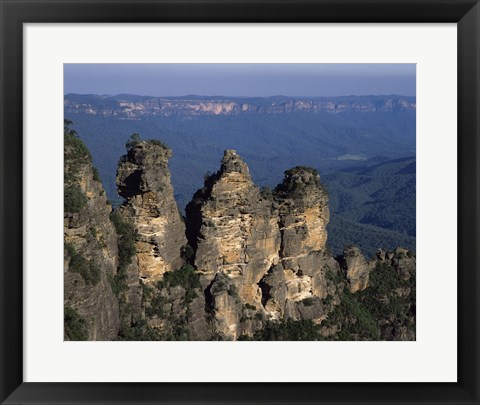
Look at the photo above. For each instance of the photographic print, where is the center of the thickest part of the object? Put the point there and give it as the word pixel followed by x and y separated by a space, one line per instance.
pixel 239 202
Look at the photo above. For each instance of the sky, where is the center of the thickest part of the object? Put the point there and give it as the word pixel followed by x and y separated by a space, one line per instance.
pixel 247 80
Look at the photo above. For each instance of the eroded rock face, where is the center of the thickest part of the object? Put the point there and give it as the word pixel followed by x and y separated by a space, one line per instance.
pixel 90 255
pixel 402 260
pixel 357 268
pixel 143 179
pixel 259 252
pixel 235 234
pixel 301 205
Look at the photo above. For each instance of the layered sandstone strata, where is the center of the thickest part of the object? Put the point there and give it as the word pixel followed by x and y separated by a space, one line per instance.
pixel 143 179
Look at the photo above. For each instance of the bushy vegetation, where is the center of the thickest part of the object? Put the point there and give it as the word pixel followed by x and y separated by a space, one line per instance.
pixel 76 155
pixel 126 238
pixel 158 143
pixel 133 141
pixel 126 251
pixel 69 248
pixel 309 301
pixel 355 320
pixel 73 198
pixel 86 268
pixel 376 312
pixel 390 297
pixel 75 327
pixel 185 277
pixel 298 169
pixel 295 180
pixel 138 331
pixel 96 174
pixel 288 330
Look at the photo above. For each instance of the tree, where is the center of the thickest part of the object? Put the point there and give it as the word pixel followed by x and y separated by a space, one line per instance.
pixel 134 139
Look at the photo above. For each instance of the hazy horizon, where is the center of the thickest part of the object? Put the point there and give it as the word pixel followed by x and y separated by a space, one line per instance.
pixel 236 96
pixel 241 80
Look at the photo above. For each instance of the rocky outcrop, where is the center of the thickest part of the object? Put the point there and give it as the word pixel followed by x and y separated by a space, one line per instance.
pixel 257 251
pixel 143 179
pixel 90 254
pixel 236 238
pixel 402 260
pixel 255 266
pixel 296 286
pixel 356 268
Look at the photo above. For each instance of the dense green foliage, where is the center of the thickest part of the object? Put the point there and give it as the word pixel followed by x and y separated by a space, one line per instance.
pixel 356 320
pixel 185 277
pixel 75 327
pixel 391 298
pixel 368 238
pixel 373 205
pixel 380 311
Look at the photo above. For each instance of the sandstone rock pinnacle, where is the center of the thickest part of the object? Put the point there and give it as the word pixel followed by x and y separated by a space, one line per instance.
pixel 143 179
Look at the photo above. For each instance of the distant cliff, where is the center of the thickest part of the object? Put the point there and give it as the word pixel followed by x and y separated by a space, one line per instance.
pixel 131 107
pixel 245 264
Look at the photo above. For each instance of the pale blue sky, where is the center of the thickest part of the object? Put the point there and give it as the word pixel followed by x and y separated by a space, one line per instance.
pixel 260 80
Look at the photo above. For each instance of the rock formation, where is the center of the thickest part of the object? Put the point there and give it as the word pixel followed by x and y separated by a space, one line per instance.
pixel 246 261
pixel 143 179
pixel 302 206
pixel 90 254
pixel 236 238
pixel 256 251
pixel 356 268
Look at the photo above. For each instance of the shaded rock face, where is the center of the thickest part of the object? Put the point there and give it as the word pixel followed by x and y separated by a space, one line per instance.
pixel 236 238
pixel 143 179
pixel 301 205
pixel 356 267
pixel 401 259
pixel 258 252
pixel 90 254
pixel 303 211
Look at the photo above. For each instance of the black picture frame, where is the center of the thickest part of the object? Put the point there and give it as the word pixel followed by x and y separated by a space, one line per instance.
pixel 14 13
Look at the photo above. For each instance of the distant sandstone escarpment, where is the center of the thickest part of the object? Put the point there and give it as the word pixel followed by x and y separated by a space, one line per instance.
pixel 130 106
